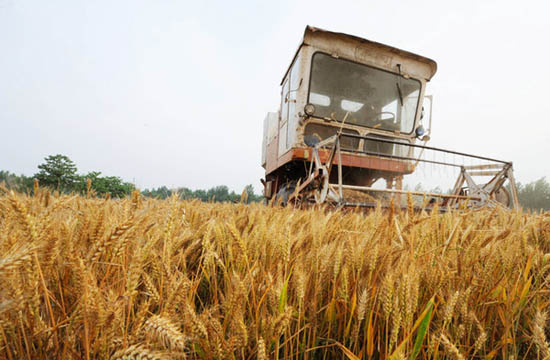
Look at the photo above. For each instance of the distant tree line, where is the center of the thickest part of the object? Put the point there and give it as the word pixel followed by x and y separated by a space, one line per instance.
pixel 59 173
pixel 219 193
pixel 534 195
pixel 19 183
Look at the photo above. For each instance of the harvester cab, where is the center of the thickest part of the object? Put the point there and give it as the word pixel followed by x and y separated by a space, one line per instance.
pixel 354 115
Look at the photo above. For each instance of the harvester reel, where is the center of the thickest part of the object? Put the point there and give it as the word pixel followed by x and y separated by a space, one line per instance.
pixel 482 196
pixel 316 188
pixel 502 196
pixel 498 197
pixel 492 193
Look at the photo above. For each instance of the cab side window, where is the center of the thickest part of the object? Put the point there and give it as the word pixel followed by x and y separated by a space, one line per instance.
pixel 283 123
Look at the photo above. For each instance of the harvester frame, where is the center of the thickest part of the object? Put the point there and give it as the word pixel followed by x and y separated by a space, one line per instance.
pixel 316 187
pixel 361 105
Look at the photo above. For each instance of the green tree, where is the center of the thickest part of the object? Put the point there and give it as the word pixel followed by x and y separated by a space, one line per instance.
pixel 105 184
pixel 161 192
pixel 219 194
pixel 20 183
pixel 58 172
pixel 252 197
pixel 199 194
pixel 535 195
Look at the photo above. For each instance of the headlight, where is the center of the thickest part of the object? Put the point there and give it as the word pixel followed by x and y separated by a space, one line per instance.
pixel 420 131
pixel 309 109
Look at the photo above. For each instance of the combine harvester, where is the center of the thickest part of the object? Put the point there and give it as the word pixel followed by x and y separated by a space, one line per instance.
pixel 353 114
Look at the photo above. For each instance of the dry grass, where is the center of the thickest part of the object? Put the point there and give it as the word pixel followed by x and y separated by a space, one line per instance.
pixel 87 278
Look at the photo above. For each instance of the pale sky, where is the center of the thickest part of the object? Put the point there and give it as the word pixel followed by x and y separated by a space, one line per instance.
pixel 175 92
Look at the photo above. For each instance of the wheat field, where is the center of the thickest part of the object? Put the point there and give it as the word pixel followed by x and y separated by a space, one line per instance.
pixel 89 278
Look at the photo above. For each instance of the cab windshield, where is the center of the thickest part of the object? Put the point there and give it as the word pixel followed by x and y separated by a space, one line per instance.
pixel 374 98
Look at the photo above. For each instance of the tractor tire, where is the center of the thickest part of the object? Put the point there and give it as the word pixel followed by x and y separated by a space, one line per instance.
pixel 284 193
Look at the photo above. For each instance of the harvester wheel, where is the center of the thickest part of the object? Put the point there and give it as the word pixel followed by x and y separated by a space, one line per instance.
pixel 284 193
pixel 321 192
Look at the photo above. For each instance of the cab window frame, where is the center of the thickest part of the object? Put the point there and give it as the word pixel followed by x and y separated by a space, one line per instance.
pixel 420 89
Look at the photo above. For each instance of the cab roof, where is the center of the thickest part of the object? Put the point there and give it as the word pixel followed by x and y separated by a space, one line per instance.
pixel 368 52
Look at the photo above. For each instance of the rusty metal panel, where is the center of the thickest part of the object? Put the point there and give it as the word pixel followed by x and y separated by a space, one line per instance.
pixel 351 160
pixel 370 52
pixel 349 129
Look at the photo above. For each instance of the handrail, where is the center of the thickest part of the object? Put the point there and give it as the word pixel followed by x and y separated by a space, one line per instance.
pixel 370 138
